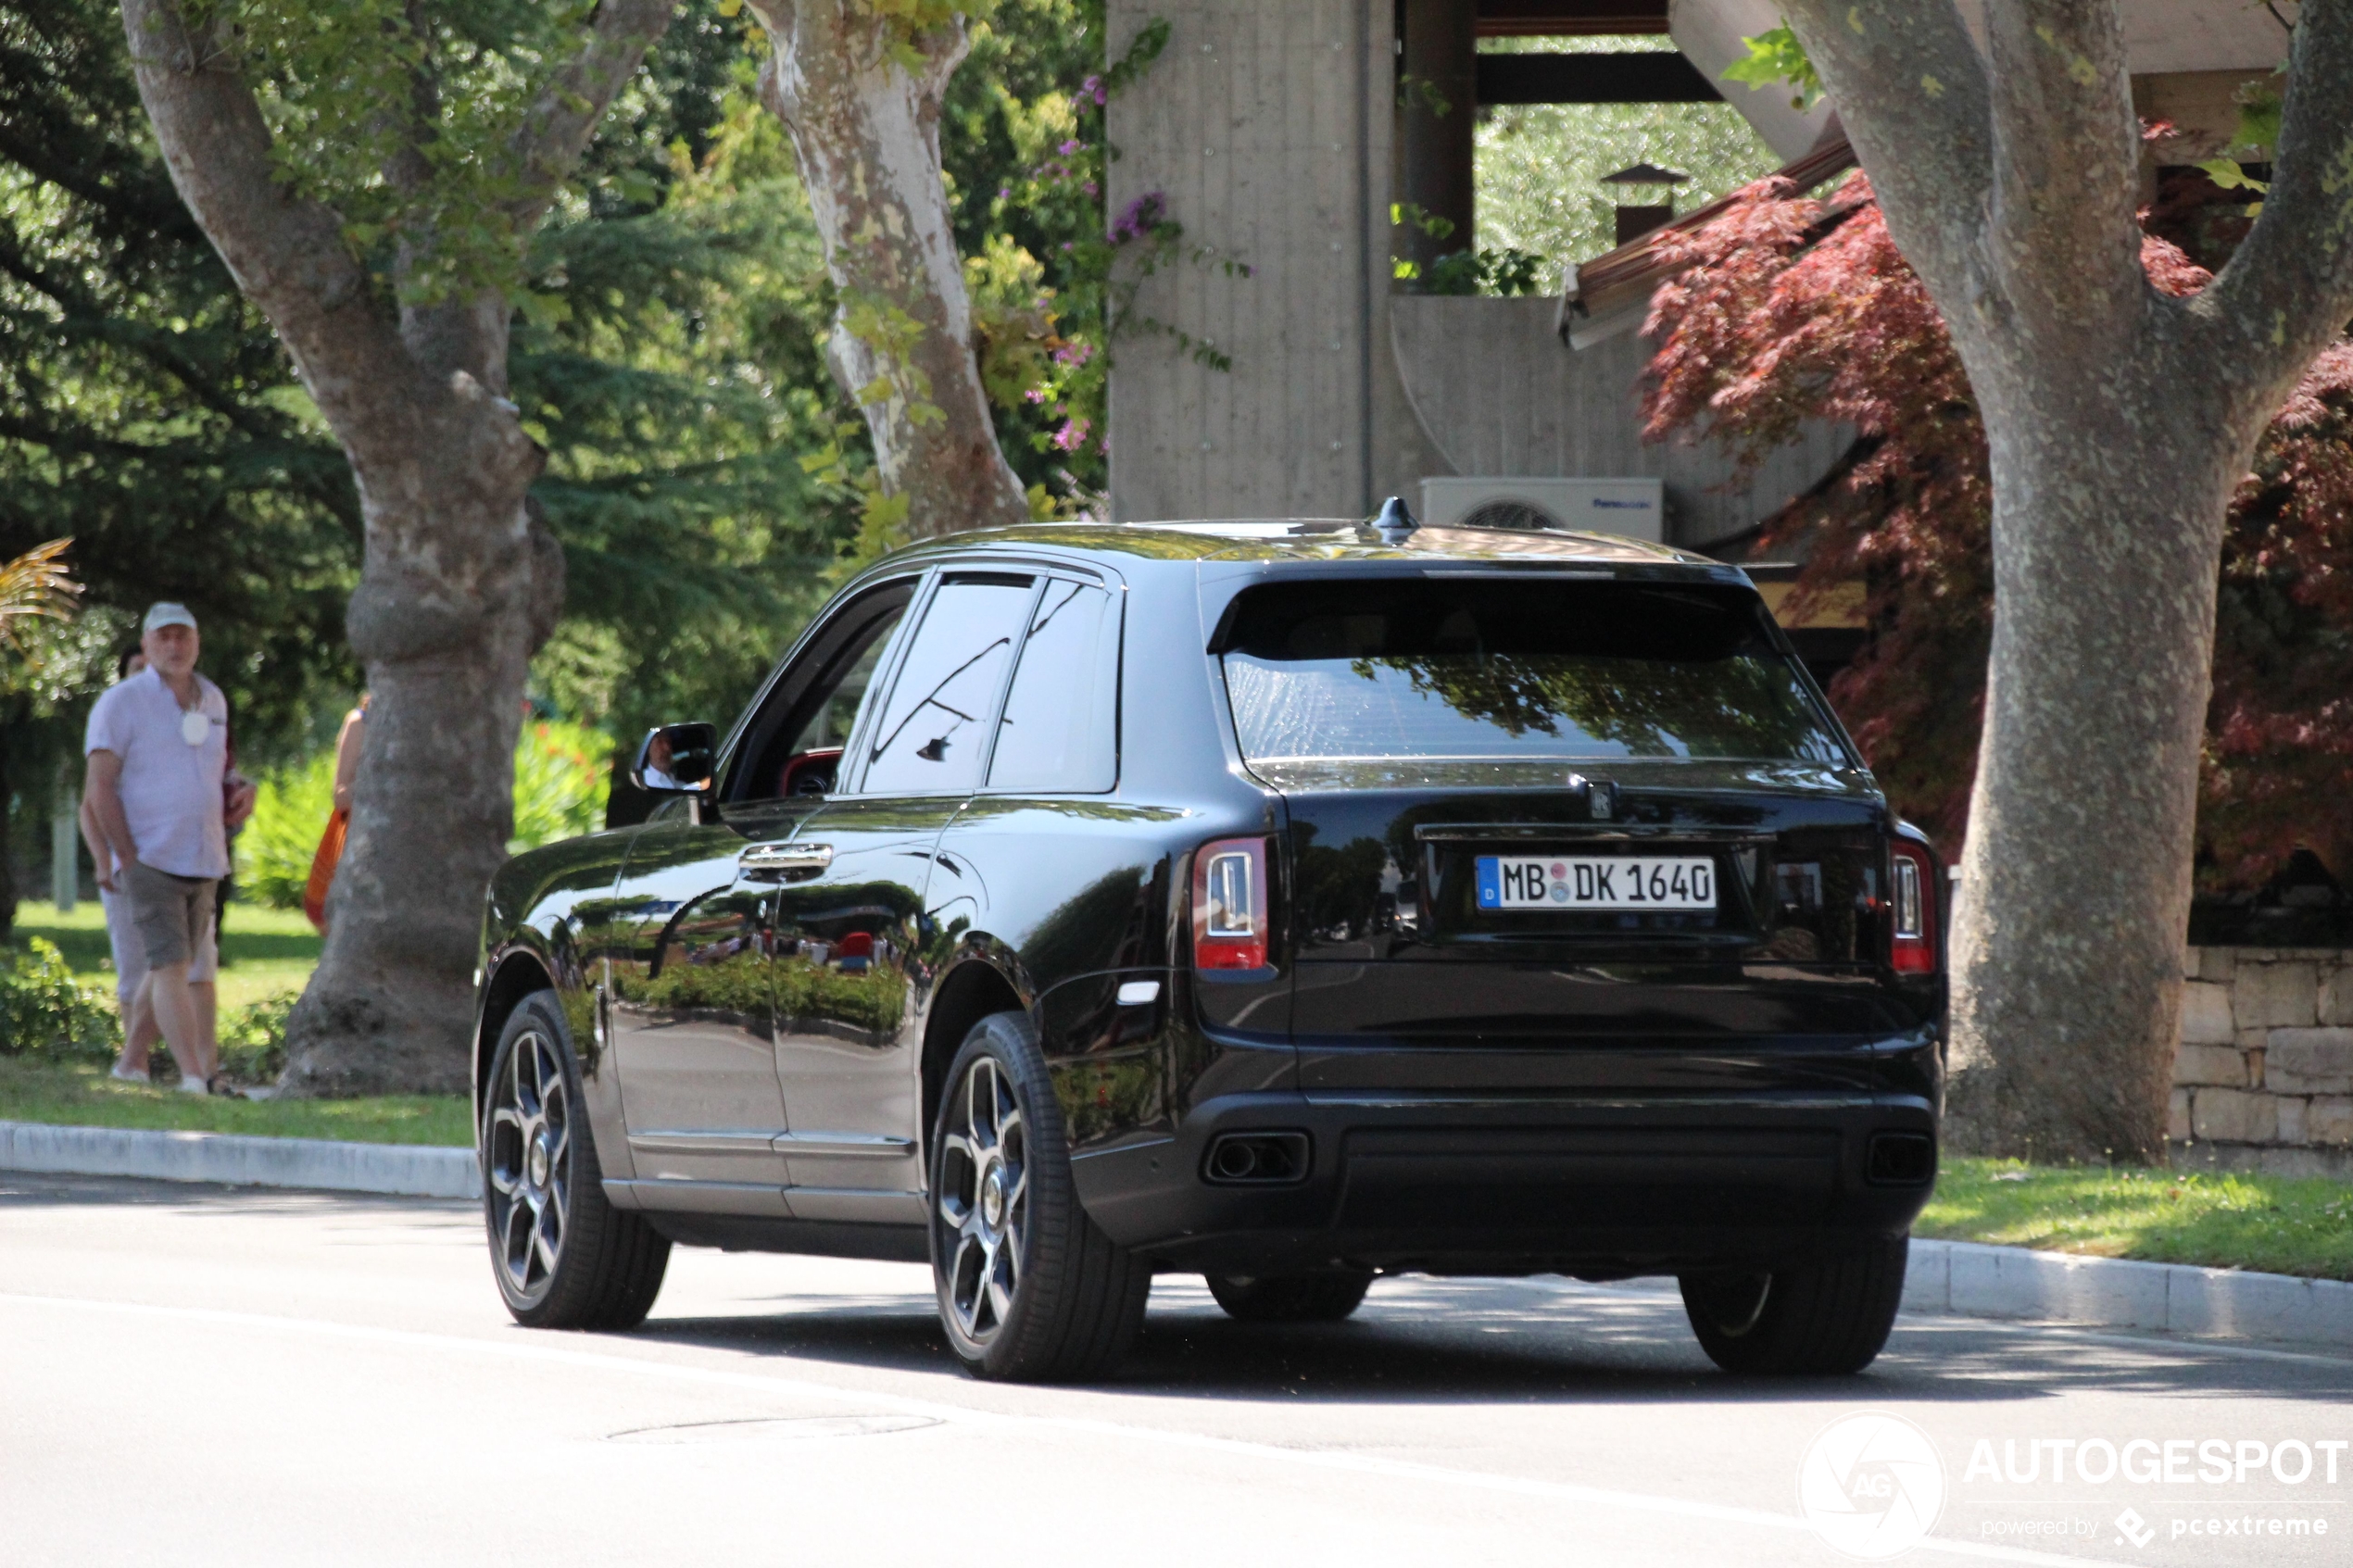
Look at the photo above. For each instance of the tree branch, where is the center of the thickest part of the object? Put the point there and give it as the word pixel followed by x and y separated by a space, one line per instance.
pixel 80 170
pixel 1912 95
pixel 2288 291
pixel 419 117
pixel 2062 234
pixel 287 251
pixel 546 147
pixel 86 320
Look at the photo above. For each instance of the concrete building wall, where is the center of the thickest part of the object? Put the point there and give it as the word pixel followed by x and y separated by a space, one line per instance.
pixel 1500 394
pixel 1268 131
pixel 1267 128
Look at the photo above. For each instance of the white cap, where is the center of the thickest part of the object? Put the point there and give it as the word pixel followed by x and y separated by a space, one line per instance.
pixel 166 613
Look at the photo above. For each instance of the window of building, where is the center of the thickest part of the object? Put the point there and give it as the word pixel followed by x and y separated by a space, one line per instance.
pixel 1533 135
pixel 1541 174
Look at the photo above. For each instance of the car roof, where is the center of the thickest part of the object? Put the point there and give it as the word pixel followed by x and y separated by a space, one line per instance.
pixel 1332 540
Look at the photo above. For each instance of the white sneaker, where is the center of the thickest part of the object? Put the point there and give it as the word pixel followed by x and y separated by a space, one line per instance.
pixel 119 1076
pixel 190 1086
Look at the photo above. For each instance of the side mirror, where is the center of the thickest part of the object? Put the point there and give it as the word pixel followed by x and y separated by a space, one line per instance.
pixel 676 760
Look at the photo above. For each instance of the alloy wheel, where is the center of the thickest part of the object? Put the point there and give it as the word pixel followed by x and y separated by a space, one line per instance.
pixel 529 1168
pixel 983 1200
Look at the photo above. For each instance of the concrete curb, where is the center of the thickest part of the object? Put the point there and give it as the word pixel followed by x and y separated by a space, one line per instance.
pixel 1958 1278
pixel 1969 1280
pixel 406 1170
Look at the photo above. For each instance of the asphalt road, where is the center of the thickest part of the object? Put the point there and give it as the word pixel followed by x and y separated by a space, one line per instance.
pixel 207 1375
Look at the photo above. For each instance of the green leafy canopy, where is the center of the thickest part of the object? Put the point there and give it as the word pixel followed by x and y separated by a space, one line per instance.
pixel 402 115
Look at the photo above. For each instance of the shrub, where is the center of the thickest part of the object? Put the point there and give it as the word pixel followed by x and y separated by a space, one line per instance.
pixel 561 779
pixel 562 774
pixel 253 1039
pixel 45 1011
pixel 289 813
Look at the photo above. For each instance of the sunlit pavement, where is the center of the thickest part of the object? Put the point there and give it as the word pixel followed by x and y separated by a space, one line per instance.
pixel 202 1375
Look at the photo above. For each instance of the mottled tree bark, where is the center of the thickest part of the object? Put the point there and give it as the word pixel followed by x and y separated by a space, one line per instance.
pixel 459 584
pixel 2119 420
pixel 865 132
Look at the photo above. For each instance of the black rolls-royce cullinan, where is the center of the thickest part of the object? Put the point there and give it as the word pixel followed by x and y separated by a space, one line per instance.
pixel 1286 902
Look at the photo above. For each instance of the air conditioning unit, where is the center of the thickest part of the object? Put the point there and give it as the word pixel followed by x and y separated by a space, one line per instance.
pixel 1636 508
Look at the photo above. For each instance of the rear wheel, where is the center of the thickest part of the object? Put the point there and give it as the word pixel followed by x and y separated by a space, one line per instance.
pixel 564 1256
pixel 1827 1318
pixel 1290 1297
pixel 1030 1291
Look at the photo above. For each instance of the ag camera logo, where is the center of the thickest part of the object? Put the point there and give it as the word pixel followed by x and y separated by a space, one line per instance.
pixel 1872 1486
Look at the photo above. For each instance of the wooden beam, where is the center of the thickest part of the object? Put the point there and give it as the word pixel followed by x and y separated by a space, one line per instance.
pixel 1592 78
pixel 1569 19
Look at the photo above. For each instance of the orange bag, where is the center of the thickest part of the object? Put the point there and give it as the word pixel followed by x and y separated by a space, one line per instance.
pixel 322 868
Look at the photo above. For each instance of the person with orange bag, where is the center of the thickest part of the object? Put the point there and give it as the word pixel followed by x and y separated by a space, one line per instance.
pixel 323 864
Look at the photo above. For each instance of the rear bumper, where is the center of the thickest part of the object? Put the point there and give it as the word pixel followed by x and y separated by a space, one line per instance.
pixel 1597 1186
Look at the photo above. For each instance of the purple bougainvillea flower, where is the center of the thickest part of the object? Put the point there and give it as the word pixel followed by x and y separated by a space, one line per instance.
pixel 1139 218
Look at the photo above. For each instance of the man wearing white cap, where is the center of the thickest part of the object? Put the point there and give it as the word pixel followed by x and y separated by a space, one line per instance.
pixel 158 748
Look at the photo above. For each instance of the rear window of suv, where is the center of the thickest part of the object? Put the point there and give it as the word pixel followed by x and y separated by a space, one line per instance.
pixel 1477 669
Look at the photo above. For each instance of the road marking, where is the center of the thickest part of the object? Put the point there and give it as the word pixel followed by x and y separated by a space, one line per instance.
pixel 1363 1465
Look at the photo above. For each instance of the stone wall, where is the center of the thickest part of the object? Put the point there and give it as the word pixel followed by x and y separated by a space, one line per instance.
pixel 2263 1076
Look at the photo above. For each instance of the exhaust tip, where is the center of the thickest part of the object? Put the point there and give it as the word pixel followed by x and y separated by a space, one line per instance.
pixel 1256 1158
pixel 1900 1160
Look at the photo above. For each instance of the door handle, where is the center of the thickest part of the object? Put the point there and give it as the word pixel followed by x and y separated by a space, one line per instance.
pixel 785 862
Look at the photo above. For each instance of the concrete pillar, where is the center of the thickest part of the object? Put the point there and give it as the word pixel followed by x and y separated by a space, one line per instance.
pixel 1436 109
pixel 65 846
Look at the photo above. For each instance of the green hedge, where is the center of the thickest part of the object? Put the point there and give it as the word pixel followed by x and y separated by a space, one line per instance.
pixel 46 1012
pixel 47 1015
pixel 253 1039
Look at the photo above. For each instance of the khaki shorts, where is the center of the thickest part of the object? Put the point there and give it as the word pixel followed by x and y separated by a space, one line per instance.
pixel 173 914
pixel 130 951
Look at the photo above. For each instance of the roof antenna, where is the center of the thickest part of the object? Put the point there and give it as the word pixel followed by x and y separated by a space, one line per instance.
pixel 1395 523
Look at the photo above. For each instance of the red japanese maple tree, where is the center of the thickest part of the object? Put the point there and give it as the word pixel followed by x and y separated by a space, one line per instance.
pixel 1787 309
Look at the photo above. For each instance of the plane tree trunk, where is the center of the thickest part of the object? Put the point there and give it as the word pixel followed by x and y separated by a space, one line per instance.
pixel 459 584
pixel 2119 420
pixel 860 91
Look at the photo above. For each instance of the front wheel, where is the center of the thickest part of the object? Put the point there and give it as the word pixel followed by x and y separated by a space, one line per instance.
pixel 1290 1297
pixel 564 1256
pixel 1825 1319
pixel 1030 1291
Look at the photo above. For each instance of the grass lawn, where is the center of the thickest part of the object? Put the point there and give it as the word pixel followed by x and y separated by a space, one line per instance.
pixel 262 951
pixel 78 1095
pixel 2218 1221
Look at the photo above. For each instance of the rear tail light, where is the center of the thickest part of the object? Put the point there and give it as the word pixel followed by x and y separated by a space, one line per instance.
pixel 1229 905
pixel 1914 907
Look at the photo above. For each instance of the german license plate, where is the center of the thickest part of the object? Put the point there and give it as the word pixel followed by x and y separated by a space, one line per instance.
pixel 1596 882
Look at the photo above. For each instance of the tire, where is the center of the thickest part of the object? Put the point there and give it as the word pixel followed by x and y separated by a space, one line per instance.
pixel 1826 1319
pixel 563 1254
pixel 1029 1289
pixel 1290 1297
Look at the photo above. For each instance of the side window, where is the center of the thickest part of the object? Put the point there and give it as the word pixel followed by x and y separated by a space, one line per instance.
pixel 1058 731
pixel 932 736
pixel 793 746
pixel 837 710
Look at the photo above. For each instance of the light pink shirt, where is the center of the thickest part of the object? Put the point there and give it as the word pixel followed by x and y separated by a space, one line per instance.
pixel 170 790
